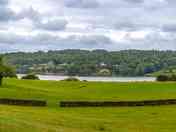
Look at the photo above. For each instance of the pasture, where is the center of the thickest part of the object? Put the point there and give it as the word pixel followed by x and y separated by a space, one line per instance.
pixel 55 119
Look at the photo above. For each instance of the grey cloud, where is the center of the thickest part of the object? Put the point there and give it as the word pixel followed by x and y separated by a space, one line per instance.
pixel 93 39
pixel 29 13
pixel 101 3
pixel 93 4
pixel 135 1
pixel 169 28
pixel 171 1
pixel 47 42
pixel 3 2
pixel 11 38
pixel 6 14
pixel 103 16
pixel 81 3
pixel 127 25
pixel 37 20
pixel 152 41
pixel 39 39
pixel 131 25
pixel 52 25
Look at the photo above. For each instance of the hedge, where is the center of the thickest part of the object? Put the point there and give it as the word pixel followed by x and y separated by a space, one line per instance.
pixel 116 103
pixel 22 102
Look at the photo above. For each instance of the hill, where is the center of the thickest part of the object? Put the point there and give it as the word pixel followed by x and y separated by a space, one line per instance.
pixel 169 71
pixel 93 63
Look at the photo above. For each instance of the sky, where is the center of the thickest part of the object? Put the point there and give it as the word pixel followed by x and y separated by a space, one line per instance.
pixel 32 25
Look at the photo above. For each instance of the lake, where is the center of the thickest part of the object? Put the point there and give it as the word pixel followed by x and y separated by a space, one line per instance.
pixel 97 79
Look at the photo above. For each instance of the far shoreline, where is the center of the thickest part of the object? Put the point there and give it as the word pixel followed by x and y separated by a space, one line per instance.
pixel 96 78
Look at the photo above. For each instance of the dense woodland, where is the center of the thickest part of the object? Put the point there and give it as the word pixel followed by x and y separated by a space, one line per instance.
pixel 92 63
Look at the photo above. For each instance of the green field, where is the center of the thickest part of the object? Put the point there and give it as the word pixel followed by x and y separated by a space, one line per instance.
pixel 167 71
pixel 55 119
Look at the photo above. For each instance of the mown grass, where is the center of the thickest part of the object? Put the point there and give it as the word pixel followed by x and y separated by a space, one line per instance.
pixel 56 119
pixel 54 91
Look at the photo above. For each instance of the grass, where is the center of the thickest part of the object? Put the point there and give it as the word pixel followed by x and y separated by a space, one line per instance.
pixel 56 119
pixel 166 71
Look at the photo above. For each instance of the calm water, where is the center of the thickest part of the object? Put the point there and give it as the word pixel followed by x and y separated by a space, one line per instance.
pixel 101 79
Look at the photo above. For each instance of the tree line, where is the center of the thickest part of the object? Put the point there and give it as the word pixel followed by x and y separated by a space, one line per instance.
pixel 92 63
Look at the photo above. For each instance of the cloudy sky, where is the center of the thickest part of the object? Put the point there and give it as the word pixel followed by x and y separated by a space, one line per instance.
pixel 31 25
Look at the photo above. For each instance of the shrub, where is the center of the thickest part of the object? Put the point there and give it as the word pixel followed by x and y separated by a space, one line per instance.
pixel 31 77
pixel 173 78
pixel 5 71
pixel 163 78
pixel 70 79
pixel 166 78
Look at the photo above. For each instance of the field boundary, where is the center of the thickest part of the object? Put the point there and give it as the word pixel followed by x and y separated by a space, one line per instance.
pixel 21 102
pixel 117 103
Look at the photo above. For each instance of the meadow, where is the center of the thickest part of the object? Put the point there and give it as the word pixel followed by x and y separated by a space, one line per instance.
pixel 55 119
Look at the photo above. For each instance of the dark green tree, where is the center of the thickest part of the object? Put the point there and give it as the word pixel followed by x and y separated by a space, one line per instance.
pixel 5 71
pixel 89 63
pixel 31 77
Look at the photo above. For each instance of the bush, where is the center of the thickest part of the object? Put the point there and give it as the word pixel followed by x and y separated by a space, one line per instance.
pixel 162 78
pixel 173 78
pixel 6 71
pixel 166 78
pixel 70 79
pixel 31 77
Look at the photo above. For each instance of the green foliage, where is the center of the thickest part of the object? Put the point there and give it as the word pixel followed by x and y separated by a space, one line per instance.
pixel 89 63
pixel 173 78
pixel 71 79
pixel 162 78
pixel 166 78
pixel 169 71
pixel 6 71
pixel 30 77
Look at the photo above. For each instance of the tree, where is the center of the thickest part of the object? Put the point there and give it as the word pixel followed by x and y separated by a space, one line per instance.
pixel 31 77
pixel 88 63
pixel 162 78
pixel 5 71
pixel 139 71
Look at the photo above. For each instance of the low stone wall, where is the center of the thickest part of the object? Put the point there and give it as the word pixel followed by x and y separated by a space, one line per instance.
pixel 117 103
pixel 21 102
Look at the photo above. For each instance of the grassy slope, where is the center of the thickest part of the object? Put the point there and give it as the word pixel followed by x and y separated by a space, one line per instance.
pixel 168 71
pixel 55 119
